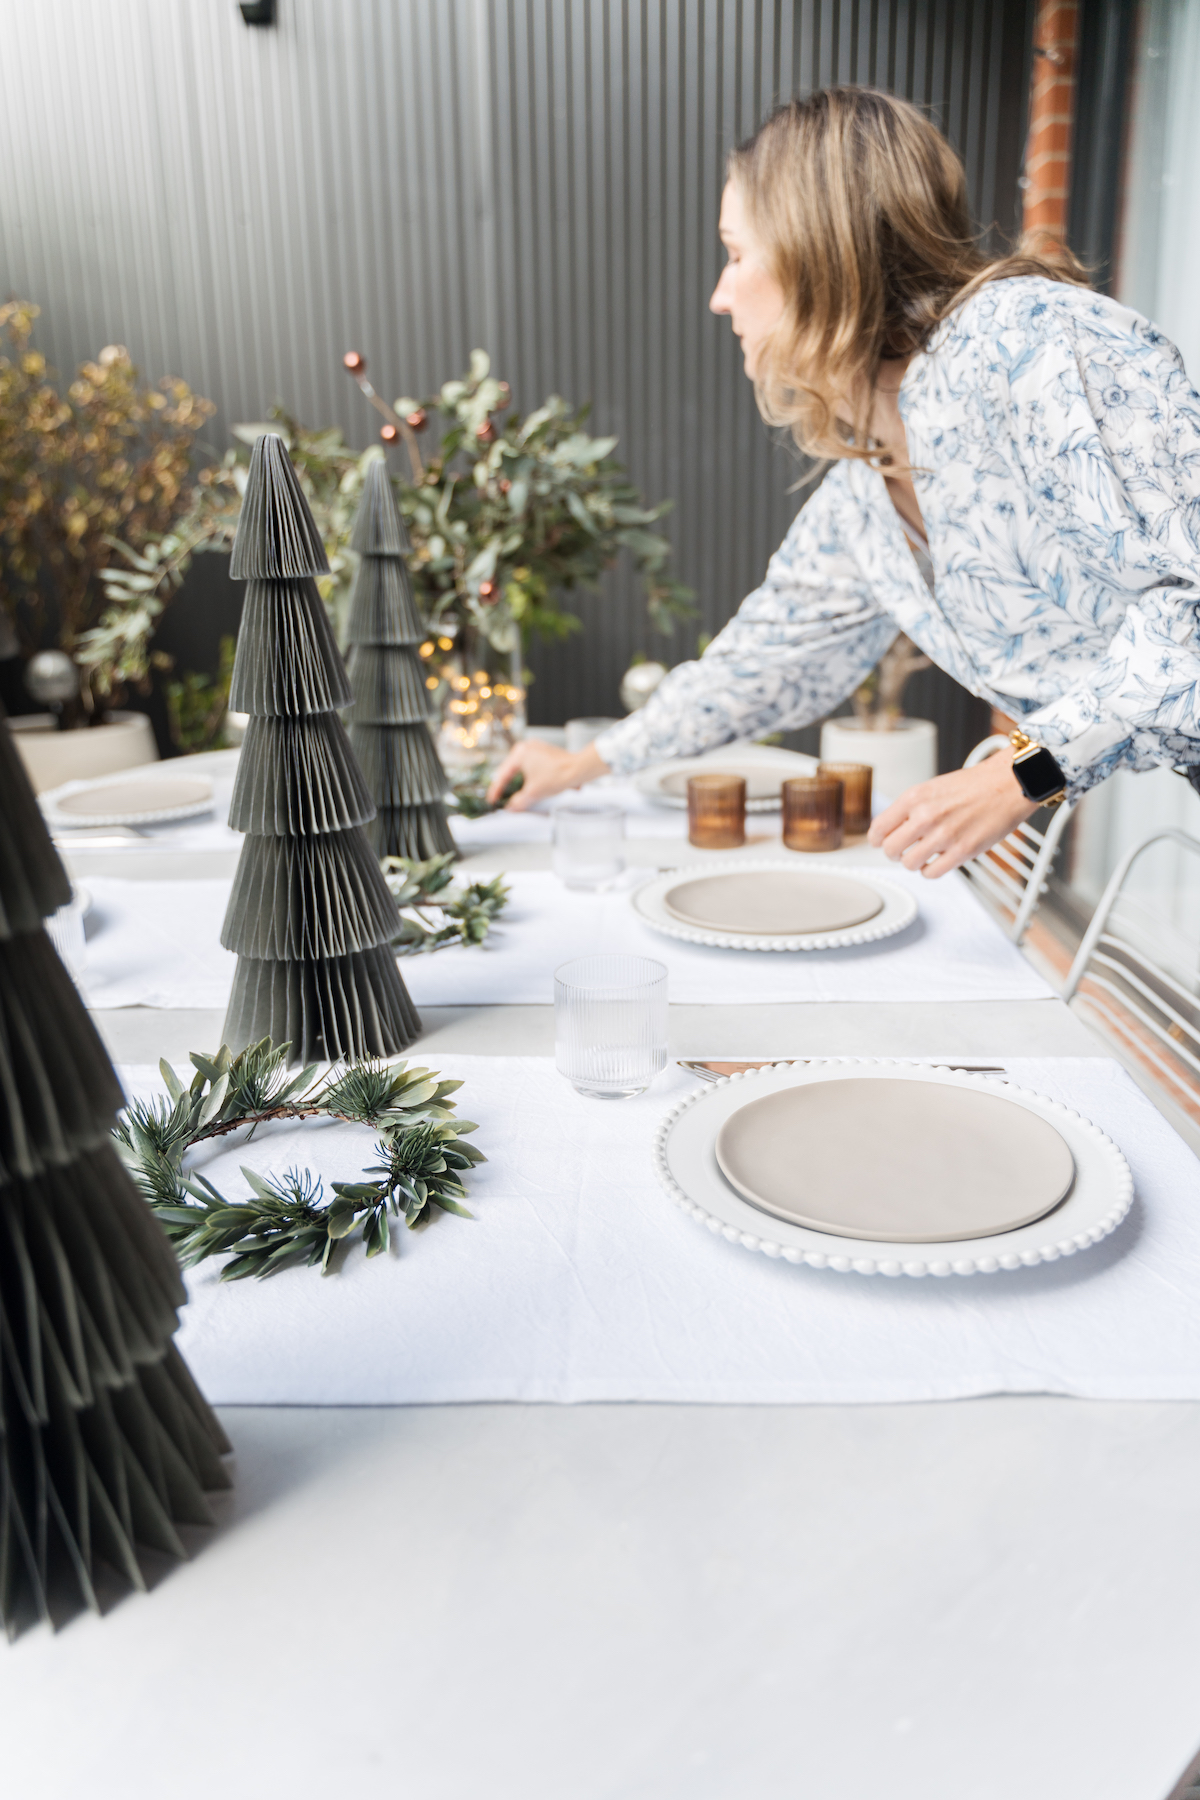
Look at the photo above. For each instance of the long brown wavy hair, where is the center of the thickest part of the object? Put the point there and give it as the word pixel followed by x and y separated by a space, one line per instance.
pixel 861 207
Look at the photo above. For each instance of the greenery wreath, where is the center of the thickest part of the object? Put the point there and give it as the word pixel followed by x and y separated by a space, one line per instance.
pixel 422 1157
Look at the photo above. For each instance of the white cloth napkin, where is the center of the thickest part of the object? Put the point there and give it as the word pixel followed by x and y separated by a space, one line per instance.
pixel 579 1280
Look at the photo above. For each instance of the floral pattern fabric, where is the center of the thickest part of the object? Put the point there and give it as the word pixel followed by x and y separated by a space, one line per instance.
pixel 1055 445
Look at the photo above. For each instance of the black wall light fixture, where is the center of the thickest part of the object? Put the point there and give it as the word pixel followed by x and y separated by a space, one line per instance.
pixel 258 12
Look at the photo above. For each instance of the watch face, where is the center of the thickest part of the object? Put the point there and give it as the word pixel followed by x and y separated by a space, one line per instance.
pixel 1039 775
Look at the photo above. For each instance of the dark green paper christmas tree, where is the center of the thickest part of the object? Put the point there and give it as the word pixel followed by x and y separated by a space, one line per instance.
pixel 106 1443
pixel 388 724
pixel 310 917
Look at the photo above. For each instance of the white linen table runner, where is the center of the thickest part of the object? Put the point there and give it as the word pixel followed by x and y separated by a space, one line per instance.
pixel 579 1280
pixel 156 943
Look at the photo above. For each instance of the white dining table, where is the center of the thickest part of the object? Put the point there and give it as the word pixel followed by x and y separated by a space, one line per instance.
pixel 964 1600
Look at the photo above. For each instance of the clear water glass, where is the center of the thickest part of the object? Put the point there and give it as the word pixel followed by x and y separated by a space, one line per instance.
pixel 610 1024
pixel 589 844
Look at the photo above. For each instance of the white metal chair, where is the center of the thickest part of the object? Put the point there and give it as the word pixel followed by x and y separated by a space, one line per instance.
pixel 1141 977
pixel 1013 875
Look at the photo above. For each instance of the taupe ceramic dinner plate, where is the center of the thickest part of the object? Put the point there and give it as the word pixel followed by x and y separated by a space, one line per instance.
pixel 122 802
pixel 761 784
pixel 899 1162
pixel 773 903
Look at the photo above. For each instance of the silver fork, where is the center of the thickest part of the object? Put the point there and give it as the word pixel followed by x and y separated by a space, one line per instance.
pixel 720 1071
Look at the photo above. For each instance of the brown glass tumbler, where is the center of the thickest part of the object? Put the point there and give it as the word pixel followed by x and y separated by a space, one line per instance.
pixel 856 794
pixel 812 813
pixel 716 811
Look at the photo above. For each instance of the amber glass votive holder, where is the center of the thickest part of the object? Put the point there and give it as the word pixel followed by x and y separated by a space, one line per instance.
pixel 812 813
pixel 856 794
pixel 716 811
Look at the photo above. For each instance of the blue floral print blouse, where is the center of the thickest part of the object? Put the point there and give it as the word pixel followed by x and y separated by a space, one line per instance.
pixel 1055 445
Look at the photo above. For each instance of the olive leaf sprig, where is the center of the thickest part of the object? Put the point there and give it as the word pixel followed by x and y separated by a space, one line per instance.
pixel 435 913
pixel 422 1157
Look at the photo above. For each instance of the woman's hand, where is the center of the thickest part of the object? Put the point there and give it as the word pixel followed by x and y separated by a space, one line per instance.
pixel 547 771
pixel 941 823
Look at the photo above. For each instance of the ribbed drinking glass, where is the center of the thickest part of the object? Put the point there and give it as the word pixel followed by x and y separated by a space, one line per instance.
pixel 610 1024
pixel 589 844
pixel 856 793
pixel 716 811
pixel 812 813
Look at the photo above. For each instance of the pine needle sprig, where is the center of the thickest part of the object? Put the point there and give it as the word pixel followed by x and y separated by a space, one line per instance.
pixel 417 1172
pixel 287 1219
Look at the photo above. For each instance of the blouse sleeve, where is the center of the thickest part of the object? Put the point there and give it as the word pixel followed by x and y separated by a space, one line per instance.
pixel 793 651
pixel 1105 427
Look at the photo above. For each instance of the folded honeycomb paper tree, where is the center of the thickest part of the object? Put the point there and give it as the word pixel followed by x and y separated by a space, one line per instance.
pixel 105 1441
pixel 310 917
pixel 387 725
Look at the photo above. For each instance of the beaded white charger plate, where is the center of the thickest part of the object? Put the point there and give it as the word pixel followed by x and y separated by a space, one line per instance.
pixel 142 800
pixel 685 1161
pixel 763 768
pixel 650 902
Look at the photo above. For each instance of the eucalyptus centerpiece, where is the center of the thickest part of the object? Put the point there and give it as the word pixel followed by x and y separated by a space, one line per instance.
pixel 507 519
pixel 507 516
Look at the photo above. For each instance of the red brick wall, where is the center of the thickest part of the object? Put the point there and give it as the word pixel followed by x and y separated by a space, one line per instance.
pixel 1047 184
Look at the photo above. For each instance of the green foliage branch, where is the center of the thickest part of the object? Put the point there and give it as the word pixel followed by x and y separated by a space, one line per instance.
pixel 421 1149
pixel 470 794
pixel 505 520
pixel 197 705
pixel 139 580
pixel 434 913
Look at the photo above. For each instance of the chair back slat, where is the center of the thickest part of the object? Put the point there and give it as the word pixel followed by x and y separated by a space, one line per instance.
pixel 1118 1022
pixel 1001 886
pixel 1009 857
pixel 1138 975
pixel 1157 983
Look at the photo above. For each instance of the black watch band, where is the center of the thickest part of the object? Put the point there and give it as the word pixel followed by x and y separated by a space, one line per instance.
pixel 1040 778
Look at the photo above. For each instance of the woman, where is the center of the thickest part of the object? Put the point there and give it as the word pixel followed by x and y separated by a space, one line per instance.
pixel 1015 484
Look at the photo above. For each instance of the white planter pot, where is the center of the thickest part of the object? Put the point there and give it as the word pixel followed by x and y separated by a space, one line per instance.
pixel 900 757
pixel 124 741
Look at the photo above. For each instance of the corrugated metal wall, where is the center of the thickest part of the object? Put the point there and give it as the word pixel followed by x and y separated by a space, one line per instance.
pixel 415 177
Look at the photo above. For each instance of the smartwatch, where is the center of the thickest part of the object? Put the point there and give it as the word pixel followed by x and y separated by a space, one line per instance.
pixel 1037 773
